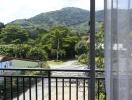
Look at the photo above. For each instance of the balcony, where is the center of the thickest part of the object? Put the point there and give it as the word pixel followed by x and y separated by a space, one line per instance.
pixel 49 84
pixel 89 84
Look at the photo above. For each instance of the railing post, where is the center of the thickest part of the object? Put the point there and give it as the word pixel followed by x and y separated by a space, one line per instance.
pixel 49 84
pixel 92 51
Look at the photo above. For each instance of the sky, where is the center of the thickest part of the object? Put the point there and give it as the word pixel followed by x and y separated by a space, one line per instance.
pixel 22 9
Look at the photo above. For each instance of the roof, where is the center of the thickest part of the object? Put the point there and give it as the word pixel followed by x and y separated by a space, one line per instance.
pixel 5 58
pixel 24 64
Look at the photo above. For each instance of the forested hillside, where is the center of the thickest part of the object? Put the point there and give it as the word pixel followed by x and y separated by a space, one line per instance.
pixel 56 35
pixel 74 18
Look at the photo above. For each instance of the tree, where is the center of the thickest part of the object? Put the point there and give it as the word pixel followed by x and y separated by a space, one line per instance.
pixel 100 47
pixel 82 48
pixel 69 44
pixel 37 54
pixel 1 26
pixel 13 34
pixel 56 38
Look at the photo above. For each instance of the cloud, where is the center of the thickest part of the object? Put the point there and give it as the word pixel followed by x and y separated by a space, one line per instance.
pixel 85 4
pixel 99 4
pixel 19 9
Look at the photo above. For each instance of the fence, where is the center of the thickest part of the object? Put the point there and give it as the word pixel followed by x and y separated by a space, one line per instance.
pixel 49 84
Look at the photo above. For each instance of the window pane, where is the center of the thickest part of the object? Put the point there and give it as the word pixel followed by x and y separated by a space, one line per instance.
pixel 118 54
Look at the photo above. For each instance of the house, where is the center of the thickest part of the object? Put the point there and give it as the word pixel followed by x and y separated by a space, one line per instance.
pixel 11 62
pixel 5 62
pixel 22 63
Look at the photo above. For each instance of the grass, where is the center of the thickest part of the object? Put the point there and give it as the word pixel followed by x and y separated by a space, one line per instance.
pixel 79 63
pixel 24 64
pixel 55 62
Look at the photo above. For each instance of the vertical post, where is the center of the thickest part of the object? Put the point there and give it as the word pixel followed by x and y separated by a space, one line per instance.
pixel 92 51
pixel 49 85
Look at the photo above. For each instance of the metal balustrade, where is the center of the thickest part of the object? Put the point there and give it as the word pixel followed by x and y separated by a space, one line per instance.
pixel 45 84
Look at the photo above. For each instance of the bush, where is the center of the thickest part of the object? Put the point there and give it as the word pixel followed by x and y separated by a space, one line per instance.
pixel 24 51
pixel 83 58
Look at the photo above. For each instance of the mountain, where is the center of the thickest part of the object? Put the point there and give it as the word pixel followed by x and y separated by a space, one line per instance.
pixel 75 18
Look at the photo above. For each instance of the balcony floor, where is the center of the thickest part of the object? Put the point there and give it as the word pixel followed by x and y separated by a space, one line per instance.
pixel 53 93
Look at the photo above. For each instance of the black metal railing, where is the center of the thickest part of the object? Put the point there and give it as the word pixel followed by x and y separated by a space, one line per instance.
pixel 49 84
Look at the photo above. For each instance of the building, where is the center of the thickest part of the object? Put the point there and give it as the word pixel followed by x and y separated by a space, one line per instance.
pixel 5 62
pixel 10 62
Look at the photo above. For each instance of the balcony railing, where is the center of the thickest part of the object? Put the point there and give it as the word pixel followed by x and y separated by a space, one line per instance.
pixel 49 84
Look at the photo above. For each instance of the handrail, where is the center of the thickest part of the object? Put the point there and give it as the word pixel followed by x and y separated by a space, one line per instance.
pixel 16 85
pixel 43 69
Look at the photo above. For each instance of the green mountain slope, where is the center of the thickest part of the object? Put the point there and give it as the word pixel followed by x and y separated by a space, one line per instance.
pixel 75 18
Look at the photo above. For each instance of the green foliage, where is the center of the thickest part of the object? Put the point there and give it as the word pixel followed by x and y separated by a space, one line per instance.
pixel 37 54
pixel 81 47
pixel 56 43
pixel 57 35
pixel 100 47
pixel 83 58
pixel 75 18
pixel 23 51
pixel 13 34
pixel 1 26
pixel 29 39
pixel 6 50
pixel 69 44
pixel 59 42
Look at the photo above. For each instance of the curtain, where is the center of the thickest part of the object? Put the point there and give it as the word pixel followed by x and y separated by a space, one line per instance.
pixel 118 49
